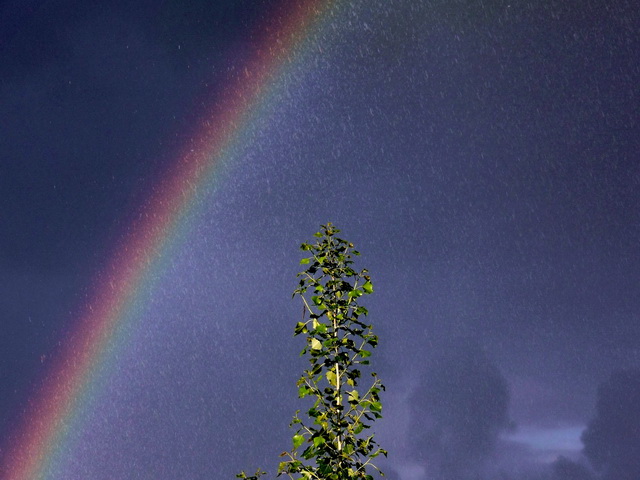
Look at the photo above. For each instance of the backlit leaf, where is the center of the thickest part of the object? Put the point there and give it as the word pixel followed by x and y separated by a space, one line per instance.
pixel 297 441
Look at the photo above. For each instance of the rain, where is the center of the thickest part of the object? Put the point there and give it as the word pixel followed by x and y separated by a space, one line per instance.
pixel 482 155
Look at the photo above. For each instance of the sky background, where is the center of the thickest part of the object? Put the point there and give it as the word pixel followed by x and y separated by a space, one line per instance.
pixel 484 156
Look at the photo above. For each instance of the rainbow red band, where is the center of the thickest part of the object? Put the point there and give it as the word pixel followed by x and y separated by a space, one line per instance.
pixel 50 413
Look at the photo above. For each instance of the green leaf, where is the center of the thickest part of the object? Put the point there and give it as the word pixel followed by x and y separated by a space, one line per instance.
pixel 380 451
pixel 308 453
pixel 315 344
pixel 367 287
pixel 303 391
pixel 317 441
pixel 305 261
pixel 331 378
pixel 297 441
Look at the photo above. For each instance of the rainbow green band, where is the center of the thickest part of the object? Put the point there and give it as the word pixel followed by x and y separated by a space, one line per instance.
pixel 51 415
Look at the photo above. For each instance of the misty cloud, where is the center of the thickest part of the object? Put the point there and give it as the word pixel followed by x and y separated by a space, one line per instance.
pixel 459 409
pixel 612 438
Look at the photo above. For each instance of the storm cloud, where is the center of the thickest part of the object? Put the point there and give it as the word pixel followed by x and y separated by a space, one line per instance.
pixel 481 155
pixel 459 409
pixel 566 469
pixel 612 438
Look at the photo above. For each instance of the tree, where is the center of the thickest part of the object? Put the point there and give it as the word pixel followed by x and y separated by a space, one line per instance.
pixel 333 443
pixel 612 438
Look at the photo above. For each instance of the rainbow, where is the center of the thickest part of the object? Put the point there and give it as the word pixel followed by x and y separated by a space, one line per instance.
pixel 73 378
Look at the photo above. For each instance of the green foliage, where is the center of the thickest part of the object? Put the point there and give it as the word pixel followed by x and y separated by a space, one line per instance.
pixel 332 443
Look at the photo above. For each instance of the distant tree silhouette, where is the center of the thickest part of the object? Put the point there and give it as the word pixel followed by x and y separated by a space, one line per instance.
pixel 612 438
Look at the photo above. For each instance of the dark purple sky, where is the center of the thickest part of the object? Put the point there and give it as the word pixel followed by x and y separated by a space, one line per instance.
pixel 484 156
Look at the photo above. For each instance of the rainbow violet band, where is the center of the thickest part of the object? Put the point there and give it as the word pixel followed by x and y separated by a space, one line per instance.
pixel 43 432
